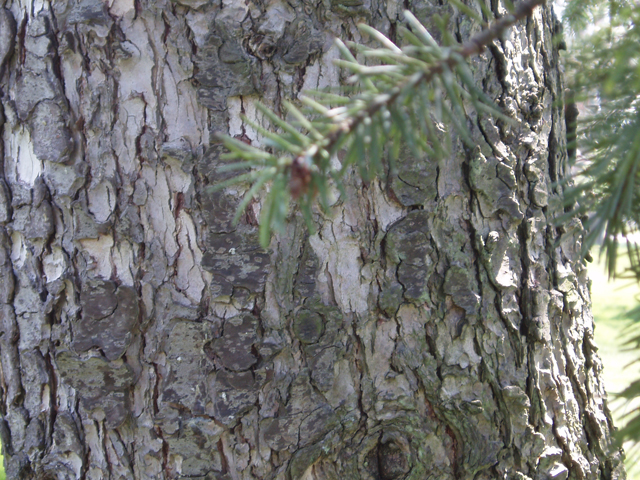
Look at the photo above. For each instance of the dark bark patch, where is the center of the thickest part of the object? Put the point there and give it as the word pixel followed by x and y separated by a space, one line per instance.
pixel 37 223
pixel 235 348
pixel 281 433
pixel 67 450
pixel 305 418
pixel 321 364
pixel 7 36
pixel 305 282
pixel 179 150
pixel 33 89
pixel 224 70
pixel 99 383
pixel 458 284
pixel 316 424
pixel 84 225
pixel 351 8
pixel 407 244
pixel 494 184
pixel 98 299
pixel 109 317
pixel 235 394
pixel 52 140
pixel 390 298
pixel 185 384
pixel 7 279
pixel 393 461
pixel 195 445
pixel 129 225
pixel 35 437
pixel 303 459
pixel 89 12
pixel 236 259
pixel 218 210
pixel 5 202
pixel 300 41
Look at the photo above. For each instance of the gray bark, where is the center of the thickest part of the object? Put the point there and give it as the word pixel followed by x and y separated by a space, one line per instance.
pixel 436 326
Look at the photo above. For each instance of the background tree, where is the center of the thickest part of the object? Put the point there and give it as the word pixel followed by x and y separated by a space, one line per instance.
pixel 435 325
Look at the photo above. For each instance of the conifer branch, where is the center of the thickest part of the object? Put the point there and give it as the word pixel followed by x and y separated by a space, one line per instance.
pixel 384 109
pixel 476 45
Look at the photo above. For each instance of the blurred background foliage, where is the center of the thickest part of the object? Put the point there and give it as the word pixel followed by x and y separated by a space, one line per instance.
pixel 611 300
pixel 603 73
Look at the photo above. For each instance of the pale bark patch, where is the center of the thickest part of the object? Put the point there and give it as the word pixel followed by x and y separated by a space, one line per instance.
pixel 99 251
pixel 26 165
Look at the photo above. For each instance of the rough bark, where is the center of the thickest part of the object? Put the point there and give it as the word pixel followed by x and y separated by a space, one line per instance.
pixel 436 326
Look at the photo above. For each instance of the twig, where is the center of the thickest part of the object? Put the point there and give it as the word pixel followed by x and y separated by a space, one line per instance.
pixel 474 46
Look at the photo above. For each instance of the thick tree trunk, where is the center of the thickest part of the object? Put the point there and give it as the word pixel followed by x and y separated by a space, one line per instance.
pixel 436 326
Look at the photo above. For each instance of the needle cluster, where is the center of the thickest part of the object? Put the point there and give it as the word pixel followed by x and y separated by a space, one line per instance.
pixel 417 94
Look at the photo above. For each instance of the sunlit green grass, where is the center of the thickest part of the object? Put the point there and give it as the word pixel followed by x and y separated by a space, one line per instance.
pixel 610 301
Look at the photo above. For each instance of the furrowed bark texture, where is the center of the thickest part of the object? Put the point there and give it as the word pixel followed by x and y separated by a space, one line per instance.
pixel 434 327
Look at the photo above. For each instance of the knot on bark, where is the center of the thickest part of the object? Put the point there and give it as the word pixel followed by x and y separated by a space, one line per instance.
pixel 393 460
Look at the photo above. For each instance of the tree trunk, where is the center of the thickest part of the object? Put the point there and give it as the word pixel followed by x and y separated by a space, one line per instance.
pixel 435 327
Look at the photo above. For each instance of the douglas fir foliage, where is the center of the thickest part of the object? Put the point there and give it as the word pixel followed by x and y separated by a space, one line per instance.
pixel 410 94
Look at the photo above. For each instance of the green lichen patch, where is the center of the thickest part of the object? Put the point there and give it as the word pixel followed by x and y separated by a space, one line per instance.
pixel 390 298
pixel 308 326
pixel 458 283
pixel 413 181
pixel 100 384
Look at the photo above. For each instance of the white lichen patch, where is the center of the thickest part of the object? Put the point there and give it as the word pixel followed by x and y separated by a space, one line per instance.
pixel 177 179
pixel 124 262
pixel 277 16
pixel 343 390
pixel 506 277
pixel 249 104
pixel 54 264
pixel 99 252
pixel 384 343
pixel 183 116
pixel 118 8
pixel 26 165
pixel 126 132
pixel 18 250
pixel 157 215
pixel 224 310
pixel 189 275
pixel 136 71
pixel 234 104
pixel 71 64
pixel 347 279
pixel 102 200
pixel 323 73
pixel 462 349
pixel 345 266
pixel 384 211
